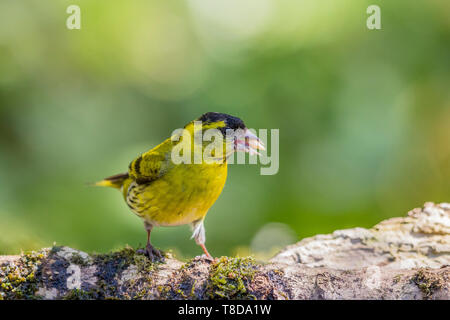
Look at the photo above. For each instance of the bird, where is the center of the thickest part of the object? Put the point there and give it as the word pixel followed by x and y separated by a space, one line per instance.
pixel 165 192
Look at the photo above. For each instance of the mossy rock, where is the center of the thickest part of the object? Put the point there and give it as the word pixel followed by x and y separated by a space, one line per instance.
pixel 229 277
pixel 427 282
pixel 18 280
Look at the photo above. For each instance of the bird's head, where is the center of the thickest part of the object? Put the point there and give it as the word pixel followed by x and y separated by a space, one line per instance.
pixel 235 134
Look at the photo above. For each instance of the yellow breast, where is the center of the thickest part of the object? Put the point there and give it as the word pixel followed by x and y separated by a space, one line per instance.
pixel 183 195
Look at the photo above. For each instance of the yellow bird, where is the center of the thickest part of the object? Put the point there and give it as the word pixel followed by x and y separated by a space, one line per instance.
pixel 166 191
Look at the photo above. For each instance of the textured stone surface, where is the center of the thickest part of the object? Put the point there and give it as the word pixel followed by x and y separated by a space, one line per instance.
pixel 422 239
pixel 399 258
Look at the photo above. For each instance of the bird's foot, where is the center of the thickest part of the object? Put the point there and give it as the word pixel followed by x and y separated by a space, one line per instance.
pixel 212 259
pixel 207 258
pixel 152 253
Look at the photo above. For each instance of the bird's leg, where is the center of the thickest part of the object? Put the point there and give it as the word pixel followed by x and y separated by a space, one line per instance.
pixel 199 236
pixel 205 250
pixel 151 251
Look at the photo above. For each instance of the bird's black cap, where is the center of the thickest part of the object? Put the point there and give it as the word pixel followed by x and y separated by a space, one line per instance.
pixel 231 122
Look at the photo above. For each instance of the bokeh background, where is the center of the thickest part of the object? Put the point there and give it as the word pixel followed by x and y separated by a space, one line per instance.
pixel 364 116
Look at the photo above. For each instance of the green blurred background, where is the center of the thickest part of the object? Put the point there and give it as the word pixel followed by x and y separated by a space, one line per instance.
pixel 363 115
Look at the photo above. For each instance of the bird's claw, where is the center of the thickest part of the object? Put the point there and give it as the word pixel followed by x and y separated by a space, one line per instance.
pixel 207 258
pixel 152 253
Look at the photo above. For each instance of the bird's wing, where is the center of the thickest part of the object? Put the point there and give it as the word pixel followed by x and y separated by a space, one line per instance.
pixel 151 165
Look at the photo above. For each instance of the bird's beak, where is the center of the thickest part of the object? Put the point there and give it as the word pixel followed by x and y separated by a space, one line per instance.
pixel 248 142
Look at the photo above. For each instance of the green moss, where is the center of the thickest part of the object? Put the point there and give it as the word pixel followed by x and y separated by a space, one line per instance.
pixel 118 259
pixel 143 264
pixel 18 280
pixel 78 294
pixel 78 260
pixel 397 278
pixel 427 283
pixel 229 276
pixel 112 266
pixel 164 291
pixel 192 293
pixel 181 286
pixel 125 257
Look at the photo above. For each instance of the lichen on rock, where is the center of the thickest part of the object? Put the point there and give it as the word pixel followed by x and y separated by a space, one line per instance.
pixel 428 282
pixel 19 279
pixel 399 258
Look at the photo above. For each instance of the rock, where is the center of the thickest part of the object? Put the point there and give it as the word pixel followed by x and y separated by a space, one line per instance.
pixel 420 240
pixel 399 258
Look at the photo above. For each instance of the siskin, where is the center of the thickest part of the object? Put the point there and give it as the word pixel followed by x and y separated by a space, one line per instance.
pixel 164 192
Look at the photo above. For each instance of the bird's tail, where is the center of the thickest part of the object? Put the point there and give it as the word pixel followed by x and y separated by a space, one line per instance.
pixel 115 181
